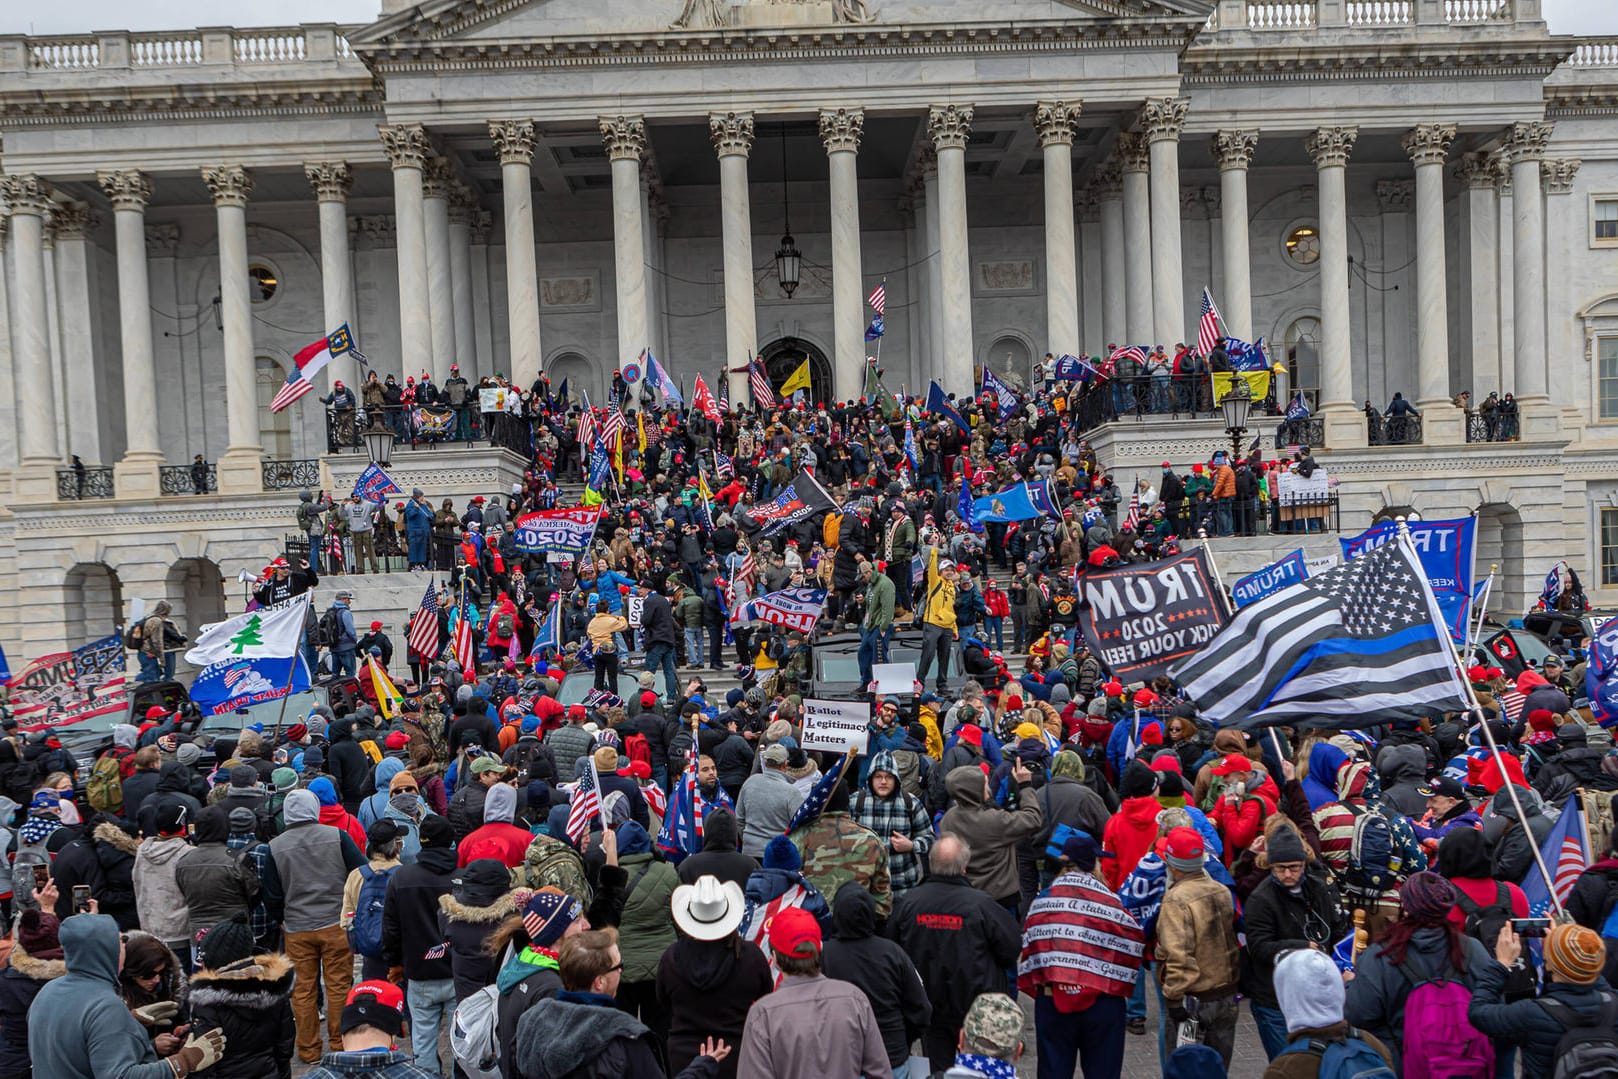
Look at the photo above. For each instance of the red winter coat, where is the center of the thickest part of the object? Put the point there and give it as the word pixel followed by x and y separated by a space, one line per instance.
pixel 1129 835
pixel 1240 823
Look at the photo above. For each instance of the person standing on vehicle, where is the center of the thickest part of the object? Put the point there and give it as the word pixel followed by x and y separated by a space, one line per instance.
pixel 340 635
pixel 938 619
pixel 877 625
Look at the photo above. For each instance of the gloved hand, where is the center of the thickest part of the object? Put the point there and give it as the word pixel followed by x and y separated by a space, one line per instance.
pixel 150 1015
pixel 1177 1013
pixel 211 1046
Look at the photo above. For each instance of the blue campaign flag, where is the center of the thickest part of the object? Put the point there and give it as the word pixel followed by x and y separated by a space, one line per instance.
pixel 1073 368
pixel 1022 502
pixel 1342 952
pixel 659 377
pixel 1005 397
pixel 1272 578
pixel 875 329
pixel 910 446
pixel 918 570
pixel 964 506
pixel 548 637
pixel 375 485
pixel 585 657
pixel 600 466
pixel 1245 355
pixel 939 405
pixel 1297 410
pixel 561 394
pixel 1601 674
pixel 1566 851
pixel 237 683
pixel 1445 550
pixel 5 667
pixel 1553 587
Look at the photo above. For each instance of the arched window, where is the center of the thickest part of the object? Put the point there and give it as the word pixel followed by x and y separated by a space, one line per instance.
pixel 274 428
pixel 1303 358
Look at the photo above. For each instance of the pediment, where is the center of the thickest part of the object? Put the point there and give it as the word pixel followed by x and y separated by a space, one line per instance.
pixel 488 21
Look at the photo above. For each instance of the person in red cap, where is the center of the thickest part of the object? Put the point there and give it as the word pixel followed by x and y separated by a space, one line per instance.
pixel 1242 806
pixel 376 639
pixel 811 1026
pixel 373 1020
pixel 1197 952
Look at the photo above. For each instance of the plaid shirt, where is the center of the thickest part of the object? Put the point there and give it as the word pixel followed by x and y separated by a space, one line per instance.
pixel 369 1064
pixel 903 813
pixel 257 854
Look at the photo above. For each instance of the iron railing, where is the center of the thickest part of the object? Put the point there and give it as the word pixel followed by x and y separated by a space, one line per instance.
pixel 290 475
pixel 76 484
pixel 1393 430
pixel 192 479
pixel 1308 431
pixel 1296 517
pixel 1146 396
pixel 411 427
pixel 1495 425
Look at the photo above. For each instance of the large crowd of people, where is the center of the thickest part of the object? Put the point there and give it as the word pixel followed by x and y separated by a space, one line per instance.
pixel 668 883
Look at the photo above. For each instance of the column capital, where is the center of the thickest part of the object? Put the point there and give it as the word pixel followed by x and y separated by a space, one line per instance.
pixel 1133 152
pixel 1108 182
pixel 1475 170
pixel 1163 117
pixel 129 189
pixel 731 132
pixel 1556 174
pixel 331 180
pixel 1428 144
pixel 1526 141
pixel 482 222
pixel 463 203
pixel 1330 146
pixel 1233 148
pixel 1395 196
pixel 1500 167
pixel 513 140
pixel 71 220
pixel 26 194
pixel 840 129
pixel 1054 121
pixel 162 239
pixel 437 178
pixel 949 126
pixel 405 144
pixel 229 184
pixel 624 136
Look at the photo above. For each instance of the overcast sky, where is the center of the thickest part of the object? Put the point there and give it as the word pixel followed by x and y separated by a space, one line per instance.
pixel 78 16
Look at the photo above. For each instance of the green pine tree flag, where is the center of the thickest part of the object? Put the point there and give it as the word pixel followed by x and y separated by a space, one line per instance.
pixel 248 636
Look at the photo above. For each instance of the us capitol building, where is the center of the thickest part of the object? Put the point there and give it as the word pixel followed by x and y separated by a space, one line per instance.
pixel 1416 196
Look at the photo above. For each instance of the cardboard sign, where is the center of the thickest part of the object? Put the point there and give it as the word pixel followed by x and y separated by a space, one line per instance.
pixel 836 726
pixel 894 677
pixel 633 608
pixel 1141 619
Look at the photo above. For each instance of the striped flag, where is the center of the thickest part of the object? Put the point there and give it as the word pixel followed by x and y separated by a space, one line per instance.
pixel 1208 325
pixel 763 396
pixel 1131 522
pixel 585 804
pixel 1354 646
pixel 309 361
pixel 878 299
pixel 1566 851
pixel 814 803
pixel 613 427
pixel 724 392
pixel 1127 352
pixel 587 421
pixel 1510 703
pixel 461 638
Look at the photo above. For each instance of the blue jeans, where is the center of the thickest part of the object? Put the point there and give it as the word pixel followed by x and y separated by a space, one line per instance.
pixel 342 659
pixel 432 1003
pixel 693 645
pixel 662 655
pixel 996 631
pixel 150 669
pixel 1094 1037
pixel 873 650
pixel 1272 1029
pixel 1222 518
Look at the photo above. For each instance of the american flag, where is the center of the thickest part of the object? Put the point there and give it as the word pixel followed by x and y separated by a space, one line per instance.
pixel 423 636
pixel 1208 325
pixel 1131 521
pixel 586 804
pixel 1510 703
pixel 723 465
pixel 742 584
pixel 878 299
pixel 292 389
pixel 461 641
pixel 1128 352
pixel 587 421
pixel 724 391
pixel 763 396
pixel 1566 851
pixel 613 427
pixel 814 804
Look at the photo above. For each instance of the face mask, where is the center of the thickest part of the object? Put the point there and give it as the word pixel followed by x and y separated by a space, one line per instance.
pixel 69 812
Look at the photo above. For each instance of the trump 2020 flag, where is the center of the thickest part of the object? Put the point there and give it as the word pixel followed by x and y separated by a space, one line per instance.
pixel 657 376
pixel 1566 851
pixel 375 485
pixel 964 504
pixel 238 683
pixel 309 362
pixel 1601 674
pixel 939 405
pixel 267 633
pixel 1006 399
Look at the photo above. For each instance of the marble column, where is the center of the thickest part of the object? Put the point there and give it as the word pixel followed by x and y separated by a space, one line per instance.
pixel 1114 300
pixel 1506 267
pixel 462 204
pixel 1162 119
pixel 239 470
pixel 1053 120
pixel 1525 149
pixel 1479 252
pixel 927 163
pixel 331 181
pixel 732 134
pixel 840 131
pixel 514 141
pixel 1233 150
pixel 81 384
pixel 53 334
pixel 408 150
pixel 8 385
pixel 1134 162
pixel 1329 147
pixel 1386 358
pixel 130 190
pixel 1428 147
pixel 30 202
pixel 949 126
pixel 1564 225
pixel 437 179
pixel 625 139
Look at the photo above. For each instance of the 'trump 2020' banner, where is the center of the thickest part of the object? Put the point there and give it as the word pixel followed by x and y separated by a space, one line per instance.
pixel 563 531
pixel 1445 550
pixel 1141 619
pixel 66 687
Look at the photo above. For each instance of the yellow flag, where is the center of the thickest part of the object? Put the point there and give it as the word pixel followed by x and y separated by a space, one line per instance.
pixel 388 697
pixel 702 487
pixel 640 429
pixel 1257 381
pixel 797 380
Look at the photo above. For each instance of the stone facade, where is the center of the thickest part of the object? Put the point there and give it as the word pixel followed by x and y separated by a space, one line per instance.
pixel 1396 197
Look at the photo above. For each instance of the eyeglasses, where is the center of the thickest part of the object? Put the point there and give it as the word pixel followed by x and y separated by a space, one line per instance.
pixel 406 790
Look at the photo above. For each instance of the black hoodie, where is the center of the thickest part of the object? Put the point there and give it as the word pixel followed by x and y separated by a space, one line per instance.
pixel 348 765
pixel 707 988
pixel 719 856
pixel 881 970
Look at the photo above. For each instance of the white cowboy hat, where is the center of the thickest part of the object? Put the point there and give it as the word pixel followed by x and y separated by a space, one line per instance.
pixel 708 909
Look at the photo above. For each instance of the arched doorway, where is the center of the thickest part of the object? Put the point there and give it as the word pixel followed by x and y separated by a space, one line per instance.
pixel 782 357
pixel 1500 542
pixel 195 590
pixel 92 603
pixel 581 376
pixel 1010 359
pixel 1303 359
pixel 274 428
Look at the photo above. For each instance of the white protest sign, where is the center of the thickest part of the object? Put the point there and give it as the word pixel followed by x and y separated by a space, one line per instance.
pixel 836 726
pixel 1317 566
pixel 894 677
pixel 633 606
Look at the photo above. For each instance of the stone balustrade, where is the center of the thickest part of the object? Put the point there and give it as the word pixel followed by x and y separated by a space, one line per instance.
pixel 212 46
pixel 1274 15
pixel 1598 52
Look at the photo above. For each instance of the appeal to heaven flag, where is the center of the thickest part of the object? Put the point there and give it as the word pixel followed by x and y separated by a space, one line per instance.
pixel 267 633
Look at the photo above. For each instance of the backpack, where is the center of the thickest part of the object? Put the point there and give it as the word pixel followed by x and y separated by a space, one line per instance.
pixel 637 748
pixel 474 1034
pixel 504 626
pixel 1484 924
pixel 328 629
pixel 552 863
pixel 1589 1048
pixel 1349 1058
pixel 1374 866
pixel 133 636
pixel 365 934
pixel 104 790
pixel 1439 1041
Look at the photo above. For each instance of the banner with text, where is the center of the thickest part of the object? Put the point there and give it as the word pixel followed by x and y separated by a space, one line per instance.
pixel 68 687
pixel 240 683
pixel 1140 619
pixel 500 399
pixel 1601 674
pixel 1445 550
pixel 836 726
pixel 1272 578
pixel 563 531
pixel 794 608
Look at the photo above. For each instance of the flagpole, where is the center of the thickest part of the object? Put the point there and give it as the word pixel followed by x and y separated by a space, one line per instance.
pixel 1213 564
pixel 1476 710
pixel 1476 625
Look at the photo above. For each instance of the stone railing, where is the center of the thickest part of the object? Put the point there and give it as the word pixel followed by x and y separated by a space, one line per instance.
pixel 1378 12
pixel 1596 52
pixel 1307 14
pixel 1280 15
pixel 1464 11
pixel 176 49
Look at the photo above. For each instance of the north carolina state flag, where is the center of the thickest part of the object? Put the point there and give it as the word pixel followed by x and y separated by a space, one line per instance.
pixel 702 400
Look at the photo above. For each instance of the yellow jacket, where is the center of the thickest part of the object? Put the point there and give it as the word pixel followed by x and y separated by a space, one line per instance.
pixel 940 608
pixel 602 627
pixel 927 716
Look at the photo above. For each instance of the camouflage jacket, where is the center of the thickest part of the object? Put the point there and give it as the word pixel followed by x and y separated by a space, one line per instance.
pixel 836 849
pixel 553 863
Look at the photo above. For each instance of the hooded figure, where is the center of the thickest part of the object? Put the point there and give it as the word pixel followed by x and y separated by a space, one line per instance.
pixel 215 883
pixel 372 808
pixel 1403 768
pixel 719 856
pixel 1513 845
pixel 481 899
pixel 1578 761
pixel 881 969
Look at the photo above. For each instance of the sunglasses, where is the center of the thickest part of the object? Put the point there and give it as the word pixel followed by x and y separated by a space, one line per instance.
pixel 406 790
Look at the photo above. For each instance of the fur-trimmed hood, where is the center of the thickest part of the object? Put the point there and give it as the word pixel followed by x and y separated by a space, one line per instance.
pixel 498 911
pixel 261 981
pixel 114 836
pixel 40 970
